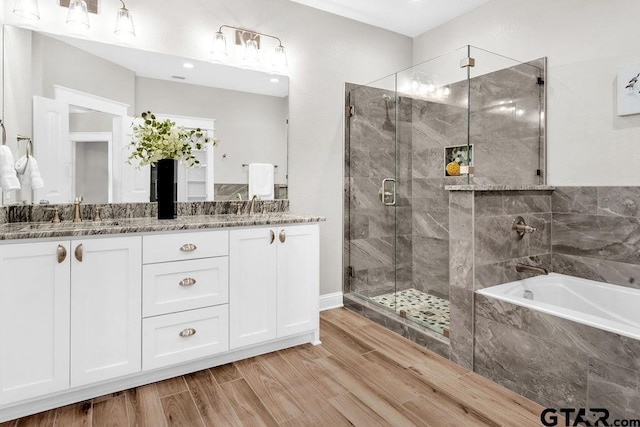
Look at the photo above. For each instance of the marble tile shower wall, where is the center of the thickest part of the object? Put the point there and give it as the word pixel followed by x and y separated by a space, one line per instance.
pixel 435 126
pixel 373 242
pixel 506 130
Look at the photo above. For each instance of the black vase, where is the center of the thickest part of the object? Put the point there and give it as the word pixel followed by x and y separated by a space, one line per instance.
pixel 167 187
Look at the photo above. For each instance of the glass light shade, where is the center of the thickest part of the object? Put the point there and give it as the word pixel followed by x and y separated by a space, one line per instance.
pixel 27 9
pixel 124 24
pixel 250 51
pixel 78 17
pixel 280 58
pixel 219 49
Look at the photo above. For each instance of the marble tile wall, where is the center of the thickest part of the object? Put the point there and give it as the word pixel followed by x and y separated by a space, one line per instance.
pixel 557 362
pixel 595 233
pixel 554 361
pixel 505 128
pixel 42 213
pixel 436 125
pixel 484 249
pixel 375 247
pixel 231 191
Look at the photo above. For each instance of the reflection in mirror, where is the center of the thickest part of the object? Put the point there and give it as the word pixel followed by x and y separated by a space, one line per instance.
pixel 77 99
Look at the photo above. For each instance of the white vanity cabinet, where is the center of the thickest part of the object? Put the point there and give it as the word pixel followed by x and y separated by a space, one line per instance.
pixel 84 317
pixel 274 279
pixel 34 319
pixel 70 314
pixel 186 294
pixel 105 308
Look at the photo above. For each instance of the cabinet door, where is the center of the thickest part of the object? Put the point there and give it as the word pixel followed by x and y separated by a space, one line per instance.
pixel 34 319
pixel 252 286
pixel 105 308
pixel 298 279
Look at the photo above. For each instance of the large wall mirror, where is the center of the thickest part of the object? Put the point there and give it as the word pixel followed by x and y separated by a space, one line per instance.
pixel 77 98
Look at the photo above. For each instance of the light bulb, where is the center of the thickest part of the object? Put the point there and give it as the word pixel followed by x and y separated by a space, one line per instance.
pixel 27 9
pixel 250 51
pixel 280 58
pixel 124 24
pixel 78 16
pixel 219 49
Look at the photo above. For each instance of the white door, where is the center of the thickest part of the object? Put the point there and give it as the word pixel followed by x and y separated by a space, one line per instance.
pixel 34 319
pixel 106 308
pixel 298 279
pixel 130 182
pixel 52 147
pixel 252 286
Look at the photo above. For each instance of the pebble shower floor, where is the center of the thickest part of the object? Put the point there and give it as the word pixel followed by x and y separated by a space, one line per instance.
pixel 427 310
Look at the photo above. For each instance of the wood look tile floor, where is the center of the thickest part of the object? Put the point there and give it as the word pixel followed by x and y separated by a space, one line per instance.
pixel 362 375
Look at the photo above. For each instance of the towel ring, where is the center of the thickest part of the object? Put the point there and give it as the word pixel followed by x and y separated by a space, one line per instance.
pixel 29 144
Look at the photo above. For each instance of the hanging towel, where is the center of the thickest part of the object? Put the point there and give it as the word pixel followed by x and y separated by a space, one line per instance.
pixel 261 180
pixel 8 179
pixel 29 172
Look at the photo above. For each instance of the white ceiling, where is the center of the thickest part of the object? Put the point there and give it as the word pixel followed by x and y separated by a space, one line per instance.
pixel 408 17
pixel 167 67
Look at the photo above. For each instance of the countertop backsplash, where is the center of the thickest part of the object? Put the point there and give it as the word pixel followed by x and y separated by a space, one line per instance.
pixel 44 213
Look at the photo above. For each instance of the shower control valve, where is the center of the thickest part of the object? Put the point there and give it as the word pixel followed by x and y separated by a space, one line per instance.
pixel 521 227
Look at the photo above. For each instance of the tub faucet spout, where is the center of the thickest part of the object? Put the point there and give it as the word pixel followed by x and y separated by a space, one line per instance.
pixel 521 268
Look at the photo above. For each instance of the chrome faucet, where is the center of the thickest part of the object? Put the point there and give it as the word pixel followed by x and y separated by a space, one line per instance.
pixel 521 268
pixel 77 217
pixel 252 206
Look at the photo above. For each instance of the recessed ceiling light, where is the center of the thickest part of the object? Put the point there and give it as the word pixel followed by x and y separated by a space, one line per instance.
pixel 274 80
pixel 188 65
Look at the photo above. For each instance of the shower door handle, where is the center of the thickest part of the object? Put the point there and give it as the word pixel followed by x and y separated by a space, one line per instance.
pixel 388 196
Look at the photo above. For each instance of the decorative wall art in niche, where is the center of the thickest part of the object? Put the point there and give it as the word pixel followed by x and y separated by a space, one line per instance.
pixel 628 90
pixel 457 160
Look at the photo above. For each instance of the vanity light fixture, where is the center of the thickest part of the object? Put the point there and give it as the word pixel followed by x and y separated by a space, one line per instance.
pixel 250 42
pixel 124 23
pixel 27 9
pixel 78 16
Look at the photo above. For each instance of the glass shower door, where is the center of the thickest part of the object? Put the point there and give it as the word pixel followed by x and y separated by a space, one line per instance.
pixel 373 198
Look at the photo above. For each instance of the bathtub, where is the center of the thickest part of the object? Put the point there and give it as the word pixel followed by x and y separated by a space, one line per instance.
pixel 601 305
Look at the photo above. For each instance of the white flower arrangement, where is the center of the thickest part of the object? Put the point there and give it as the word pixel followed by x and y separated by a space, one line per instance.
pixel 155 140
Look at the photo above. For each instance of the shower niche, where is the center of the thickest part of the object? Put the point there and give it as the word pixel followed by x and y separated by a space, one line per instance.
pixel 406 128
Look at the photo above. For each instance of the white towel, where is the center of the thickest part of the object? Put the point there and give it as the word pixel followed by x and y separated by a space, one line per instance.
pixel 8 179
pixel 29 172
pixel 261 179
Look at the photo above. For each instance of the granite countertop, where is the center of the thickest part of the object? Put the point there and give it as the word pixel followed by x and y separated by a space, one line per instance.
pixel 40 230
pixel 494 187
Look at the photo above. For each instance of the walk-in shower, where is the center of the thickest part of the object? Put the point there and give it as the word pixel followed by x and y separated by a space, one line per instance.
pixel 467 117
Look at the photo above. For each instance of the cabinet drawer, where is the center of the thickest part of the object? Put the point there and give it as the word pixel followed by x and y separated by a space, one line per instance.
pixel 181 246
pixel 185 336
pixel 184 285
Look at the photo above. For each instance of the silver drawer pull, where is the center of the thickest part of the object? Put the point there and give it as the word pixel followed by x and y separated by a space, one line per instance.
pixel 188 247
pixel 189 281
pixel 187 332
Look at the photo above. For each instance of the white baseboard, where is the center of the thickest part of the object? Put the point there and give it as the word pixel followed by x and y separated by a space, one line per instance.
pixel 329 301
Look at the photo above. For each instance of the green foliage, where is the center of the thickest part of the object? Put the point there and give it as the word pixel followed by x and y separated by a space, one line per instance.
pixel 154 140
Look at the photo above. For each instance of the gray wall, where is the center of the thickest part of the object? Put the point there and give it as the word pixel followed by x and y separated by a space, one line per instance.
pixel 89 73
pixel 595 233
pixel 252 128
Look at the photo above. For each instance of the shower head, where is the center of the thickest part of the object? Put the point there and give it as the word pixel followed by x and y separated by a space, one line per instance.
pixel 389 101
